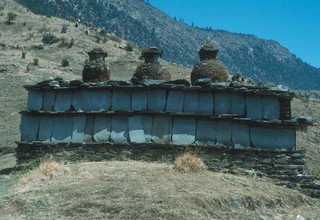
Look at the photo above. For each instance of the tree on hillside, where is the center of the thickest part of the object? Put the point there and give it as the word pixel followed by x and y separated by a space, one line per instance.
pixel 11 17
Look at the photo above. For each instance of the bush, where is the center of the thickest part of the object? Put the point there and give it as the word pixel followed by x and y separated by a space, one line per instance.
pixel 71 43
pixel 11 17
pixel 189 162
pixel 129 47
pixel 35 61
pixel 65 62
pixel 49 38
pixel 64 28
pixel 24 54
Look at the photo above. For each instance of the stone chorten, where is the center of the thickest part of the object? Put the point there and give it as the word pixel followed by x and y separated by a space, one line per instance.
pixel 209 66
pixel 151 68
pixel 96 70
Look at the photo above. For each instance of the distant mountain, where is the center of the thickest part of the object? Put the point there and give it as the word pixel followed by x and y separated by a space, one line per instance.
pixel 143 24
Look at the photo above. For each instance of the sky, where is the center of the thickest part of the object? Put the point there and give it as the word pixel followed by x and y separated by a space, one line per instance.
pixel 295 24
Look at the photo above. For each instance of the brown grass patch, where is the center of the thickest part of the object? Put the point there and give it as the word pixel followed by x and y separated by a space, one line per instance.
pixel 47 168
pixel 189 162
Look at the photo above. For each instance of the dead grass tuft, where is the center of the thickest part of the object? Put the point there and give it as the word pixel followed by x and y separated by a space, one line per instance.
pixel 46 169
pixel 51 166
pixel 189 162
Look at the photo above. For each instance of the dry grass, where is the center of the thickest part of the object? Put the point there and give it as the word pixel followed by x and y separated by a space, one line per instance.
pixel 189 162
pixel 46 169
pixel 138 190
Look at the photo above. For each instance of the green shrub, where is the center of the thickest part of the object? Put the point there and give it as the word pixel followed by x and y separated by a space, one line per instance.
pixel 24 54
pixel 65 62
pixel 129 47
pixel 64 28
pixel 36 62
pixel 71 43
pixel 11 17
pixel 2 7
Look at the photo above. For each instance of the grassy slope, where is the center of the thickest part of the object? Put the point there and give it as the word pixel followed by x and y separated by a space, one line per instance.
pixel 137 190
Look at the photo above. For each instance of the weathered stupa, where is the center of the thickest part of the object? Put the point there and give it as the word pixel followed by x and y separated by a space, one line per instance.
pixel 151 68
pixel 209 67
pixel 96 70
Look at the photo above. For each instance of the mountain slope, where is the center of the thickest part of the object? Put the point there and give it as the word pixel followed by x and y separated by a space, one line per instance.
pixel 143 24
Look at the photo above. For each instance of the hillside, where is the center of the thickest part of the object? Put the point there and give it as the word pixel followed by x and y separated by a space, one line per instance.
pixel 138 190
pixel 143 24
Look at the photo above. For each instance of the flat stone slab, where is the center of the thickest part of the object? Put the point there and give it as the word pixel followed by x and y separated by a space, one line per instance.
pixel 224 132
pixel 62 129
pixel 175 101
pixel 63 101
pixel 270 108
pixel 205 104
pixel 222 103
pixel 147 127
pixel 136 131
pixel 254 107
pixel 102 129
pixel 183 131
pixel 277 138
pixel 241 135
pixel 46 128
pixel 29 128
pixel 92 101
pixel 191 102
pixel 238 104
pixel 34 100
pixel 139 100
pixel 119 129
pixel 78 128
pixel 206 132
pixel 157 100
pixel 121 100
pixel 48 100
pixel 161 129
pixel 88 130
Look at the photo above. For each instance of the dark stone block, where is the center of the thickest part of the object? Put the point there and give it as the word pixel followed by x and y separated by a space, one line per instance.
pixel 206 132
pixel 222 103
pixel 161 129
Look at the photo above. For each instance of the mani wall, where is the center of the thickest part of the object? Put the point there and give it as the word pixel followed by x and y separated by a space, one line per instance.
pixel 165 113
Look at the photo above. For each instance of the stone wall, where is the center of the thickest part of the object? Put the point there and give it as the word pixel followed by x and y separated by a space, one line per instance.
pixel 187 100
pixel 129 127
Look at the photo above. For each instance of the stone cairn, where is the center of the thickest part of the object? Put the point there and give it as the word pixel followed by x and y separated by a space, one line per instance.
pixel 96 70
pixel 209 67
pixel 151 68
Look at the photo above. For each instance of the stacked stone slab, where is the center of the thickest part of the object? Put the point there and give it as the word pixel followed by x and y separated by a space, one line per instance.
pixel 167 113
